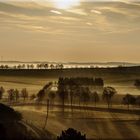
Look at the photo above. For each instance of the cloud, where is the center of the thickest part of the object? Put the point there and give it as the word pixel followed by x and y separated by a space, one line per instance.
pixel 56 12
pixel 77 11
pixel 100 17
pixel 96 12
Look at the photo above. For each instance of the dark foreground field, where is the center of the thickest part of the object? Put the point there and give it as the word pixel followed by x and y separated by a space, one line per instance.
pixel 73 72
pixel 95 124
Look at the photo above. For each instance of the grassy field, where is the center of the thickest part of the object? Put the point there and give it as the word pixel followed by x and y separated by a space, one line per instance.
pixel 120 78
pixel 95 124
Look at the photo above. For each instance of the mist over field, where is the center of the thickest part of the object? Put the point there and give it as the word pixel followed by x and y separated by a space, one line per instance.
pixel 69 69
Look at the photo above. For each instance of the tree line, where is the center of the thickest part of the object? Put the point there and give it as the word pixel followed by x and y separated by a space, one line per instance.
pixel 33 66
pixel 14 94
pixel 76 91
pixel 80 81
pixel 73 91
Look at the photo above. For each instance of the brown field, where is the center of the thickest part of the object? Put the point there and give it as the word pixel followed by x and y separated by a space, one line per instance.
pixel 95 124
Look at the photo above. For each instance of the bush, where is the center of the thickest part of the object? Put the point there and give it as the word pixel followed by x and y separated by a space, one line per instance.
pixel 71 134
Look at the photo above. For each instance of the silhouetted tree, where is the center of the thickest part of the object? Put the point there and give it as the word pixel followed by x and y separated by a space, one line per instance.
pixel 85 95
pixel 32 66
pixel 16 94
pixel 72 89
pixel 43 92
pixel 38 66
pixel 62 93
pixel 78 94
pixel 46 66
pixel 47 115
pixel 71 134
pixel 28 66
pixel 19 66
pixel 23 66
pixel 61 66
pixel 52 66
pixel 108 93
pixel 95 97
pixel 129 100
pixel 24 93
pixel 41 95
pixel 33 96
pixel 138 100
pixel 11 94
pixel 1 92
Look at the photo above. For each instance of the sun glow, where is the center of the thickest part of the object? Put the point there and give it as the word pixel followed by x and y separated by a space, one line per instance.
pixel 66 4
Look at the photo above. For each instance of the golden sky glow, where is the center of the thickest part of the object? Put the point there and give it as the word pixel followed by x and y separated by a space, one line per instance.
pixel 66 4
pixel 70 30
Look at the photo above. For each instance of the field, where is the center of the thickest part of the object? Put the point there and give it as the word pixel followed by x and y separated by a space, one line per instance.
pixel 95 124
pixel 120 78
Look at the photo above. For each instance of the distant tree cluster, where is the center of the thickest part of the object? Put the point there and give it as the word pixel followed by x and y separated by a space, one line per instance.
pixel 14 94
pixel 80 81
pixel 129 99
pixel 51 66
pixel 4 67
pixel 33 66
pixel 77 89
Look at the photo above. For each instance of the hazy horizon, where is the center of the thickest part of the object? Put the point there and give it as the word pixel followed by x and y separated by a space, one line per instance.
pixel 70 62
pixel 71 31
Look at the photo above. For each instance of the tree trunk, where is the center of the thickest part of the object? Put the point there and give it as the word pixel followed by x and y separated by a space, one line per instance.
pixel 46 120
pixel 71 101
pixel 63 105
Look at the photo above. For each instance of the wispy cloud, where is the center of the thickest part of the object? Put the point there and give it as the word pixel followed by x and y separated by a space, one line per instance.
pixel 56 12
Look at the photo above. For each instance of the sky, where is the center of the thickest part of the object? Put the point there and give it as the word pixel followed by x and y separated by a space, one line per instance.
pixel 70 30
